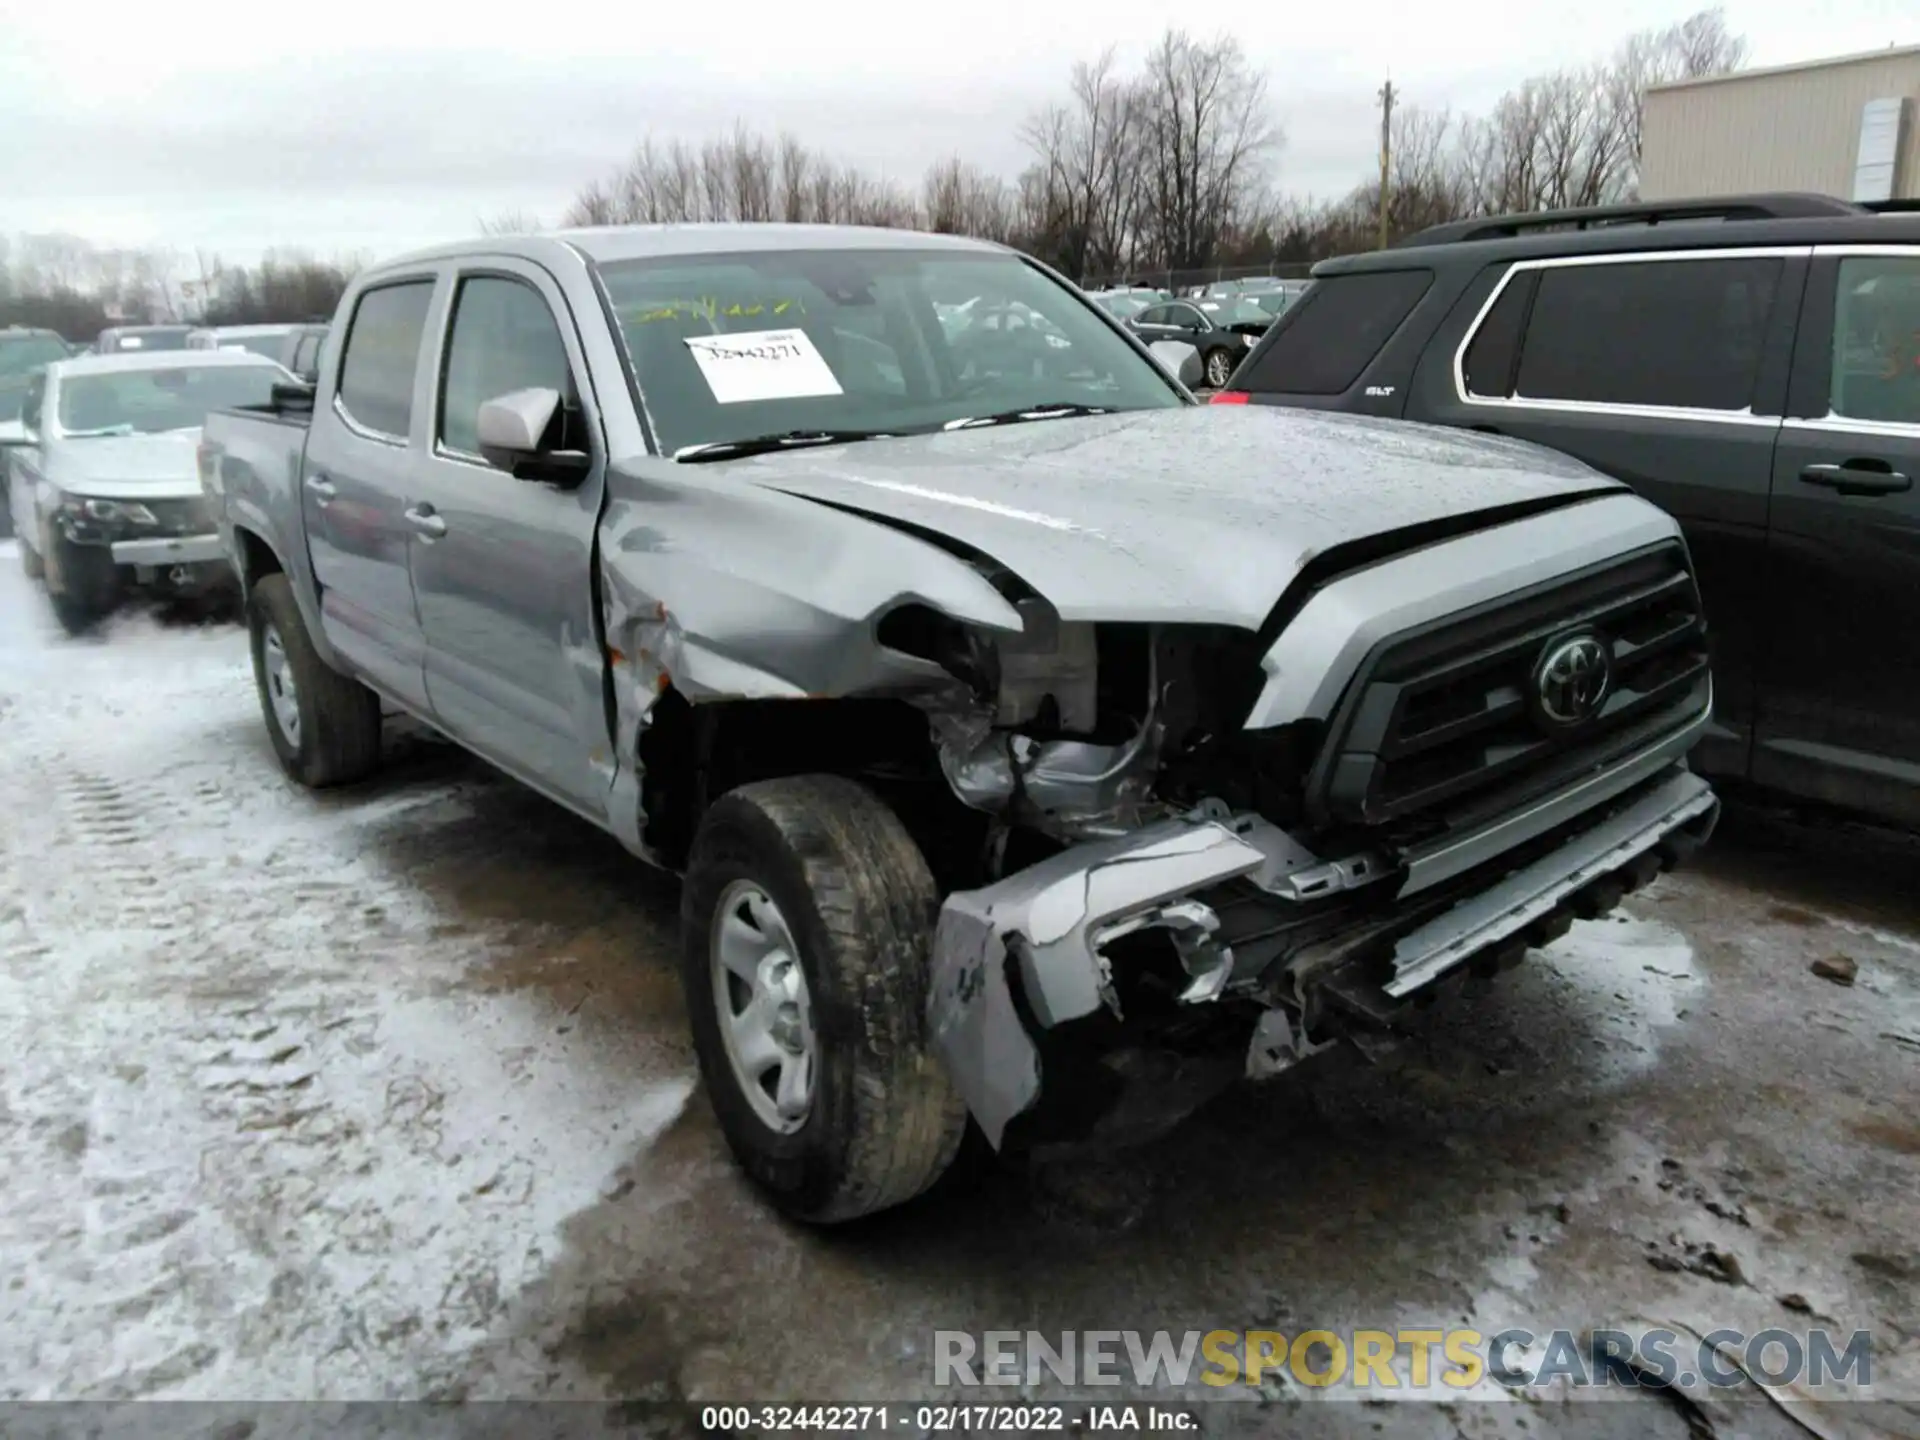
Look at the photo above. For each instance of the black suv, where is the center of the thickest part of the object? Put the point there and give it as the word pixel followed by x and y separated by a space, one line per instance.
pixel 1750 364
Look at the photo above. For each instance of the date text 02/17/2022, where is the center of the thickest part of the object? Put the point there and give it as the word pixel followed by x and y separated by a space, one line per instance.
pixel 942 1418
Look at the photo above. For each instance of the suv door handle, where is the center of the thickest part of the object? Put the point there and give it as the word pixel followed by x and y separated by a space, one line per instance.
pixel 321 488
pixel 423 518
pixel 1858 477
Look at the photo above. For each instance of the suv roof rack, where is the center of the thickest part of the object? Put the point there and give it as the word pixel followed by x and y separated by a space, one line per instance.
pixel 1784 206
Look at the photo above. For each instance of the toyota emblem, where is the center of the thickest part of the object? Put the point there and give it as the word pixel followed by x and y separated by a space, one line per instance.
pixel 1572 680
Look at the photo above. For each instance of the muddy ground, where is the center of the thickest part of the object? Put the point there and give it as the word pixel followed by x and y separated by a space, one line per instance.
pixel 387 1093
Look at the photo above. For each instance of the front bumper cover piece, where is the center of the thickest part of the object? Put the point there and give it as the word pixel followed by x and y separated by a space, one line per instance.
pixel 1051 921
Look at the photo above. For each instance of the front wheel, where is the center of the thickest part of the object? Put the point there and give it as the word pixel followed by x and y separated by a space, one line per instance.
pixel 325 726
pixel 807 927
pixel 1219 369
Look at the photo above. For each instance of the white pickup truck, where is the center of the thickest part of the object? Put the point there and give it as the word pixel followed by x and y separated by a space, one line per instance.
pixel 1034 742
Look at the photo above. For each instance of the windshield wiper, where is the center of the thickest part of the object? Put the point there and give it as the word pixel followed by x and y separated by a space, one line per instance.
pixel 103 432
pixel 766 444
pixel 1054 410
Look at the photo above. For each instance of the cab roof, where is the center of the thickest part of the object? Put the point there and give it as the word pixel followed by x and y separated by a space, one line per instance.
pixel 610 243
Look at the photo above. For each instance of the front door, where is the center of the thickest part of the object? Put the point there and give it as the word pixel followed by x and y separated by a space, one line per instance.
pixel 355 488
pixel 1840 699
pixel 503 568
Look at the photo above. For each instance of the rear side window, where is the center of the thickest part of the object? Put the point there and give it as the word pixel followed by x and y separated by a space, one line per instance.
pixel 1495 350
pixel 383 348
pixel 1332 333
pixel 1674 333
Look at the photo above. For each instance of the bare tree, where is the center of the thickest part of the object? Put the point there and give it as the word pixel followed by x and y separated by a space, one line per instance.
pixel 1697 46
pixel 510 222
pixel 1208 138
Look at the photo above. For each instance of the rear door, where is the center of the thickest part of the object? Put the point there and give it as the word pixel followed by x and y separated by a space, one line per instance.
pixel 1668 371
pixel 1840 696
pixel 503 568
pixel 356 486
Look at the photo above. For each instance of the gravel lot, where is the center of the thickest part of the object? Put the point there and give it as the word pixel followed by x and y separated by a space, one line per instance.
pixel 386 1093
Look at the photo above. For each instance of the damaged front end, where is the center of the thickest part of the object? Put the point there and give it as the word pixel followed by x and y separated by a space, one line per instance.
pixel 1178 901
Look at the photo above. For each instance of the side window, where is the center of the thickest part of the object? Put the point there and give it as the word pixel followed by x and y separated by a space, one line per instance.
pixel 383 350
pixel 1155 315
pixel 1331 333
pixel 1876 340
pixel 1678 333
pixel 33 402
pixel 1495 349
pixel 504 338
pixel 1186 317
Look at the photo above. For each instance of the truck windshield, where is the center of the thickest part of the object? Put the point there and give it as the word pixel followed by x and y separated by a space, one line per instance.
pixel 732 347
pixel 148 402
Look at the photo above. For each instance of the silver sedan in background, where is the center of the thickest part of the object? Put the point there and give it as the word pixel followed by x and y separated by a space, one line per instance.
pixel 105 482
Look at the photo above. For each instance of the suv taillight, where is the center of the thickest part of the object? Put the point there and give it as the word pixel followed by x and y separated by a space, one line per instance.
pixel 1228 397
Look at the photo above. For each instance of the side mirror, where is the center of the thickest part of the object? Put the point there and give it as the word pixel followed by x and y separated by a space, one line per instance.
pixel 513 430
pixel 1180 360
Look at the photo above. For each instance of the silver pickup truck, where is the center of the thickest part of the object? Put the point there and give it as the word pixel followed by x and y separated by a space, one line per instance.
pixel 1034 743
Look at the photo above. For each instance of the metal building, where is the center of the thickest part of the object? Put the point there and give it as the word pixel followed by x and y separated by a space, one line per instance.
pixel 1849 126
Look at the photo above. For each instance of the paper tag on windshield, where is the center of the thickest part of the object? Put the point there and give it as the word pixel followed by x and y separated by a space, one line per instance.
pixel 762 365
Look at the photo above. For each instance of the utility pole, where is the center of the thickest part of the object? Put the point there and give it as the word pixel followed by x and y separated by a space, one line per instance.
pixel 1386 153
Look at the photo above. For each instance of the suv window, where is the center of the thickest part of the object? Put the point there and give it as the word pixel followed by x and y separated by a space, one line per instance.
pixel 1328 336
pixel 383 349
pixel 504 339
pixel 1674 333
pixel 1496 344
pixel 1876 341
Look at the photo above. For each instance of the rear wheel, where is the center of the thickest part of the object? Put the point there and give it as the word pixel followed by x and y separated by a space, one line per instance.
pixel 325 726
pixel 1219 368
pixel 807 923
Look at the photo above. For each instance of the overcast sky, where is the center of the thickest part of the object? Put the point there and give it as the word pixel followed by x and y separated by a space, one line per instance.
pixel 353 126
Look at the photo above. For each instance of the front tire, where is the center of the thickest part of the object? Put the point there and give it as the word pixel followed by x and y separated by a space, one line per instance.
pixel 325 726
pixel 82 582
pixel 807 918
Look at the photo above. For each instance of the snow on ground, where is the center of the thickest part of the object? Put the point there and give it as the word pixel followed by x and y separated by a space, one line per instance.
pixel 386 1092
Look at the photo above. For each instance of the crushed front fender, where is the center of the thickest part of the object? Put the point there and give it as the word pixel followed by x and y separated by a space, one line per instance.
pixel 1043 928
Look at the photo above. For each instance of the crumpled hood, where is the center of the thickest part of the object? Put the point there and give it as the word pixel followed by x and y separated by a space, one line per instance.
pixel 1201 514
pixel 128 467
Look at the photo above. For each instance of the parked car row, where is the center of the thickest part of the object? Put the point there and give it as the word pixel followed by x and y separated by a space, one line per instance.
pixel 25 351
pixel 1024 731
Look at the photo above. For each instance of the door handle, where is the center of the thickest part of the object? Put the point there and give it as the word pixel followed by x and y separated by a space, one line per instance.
pixel 1858 477
pixel 426 521
pixel 321 488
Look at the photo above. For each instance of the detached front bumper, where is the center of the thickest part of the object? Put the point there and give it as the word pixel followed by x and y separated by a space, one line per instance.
pixel 1018 958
